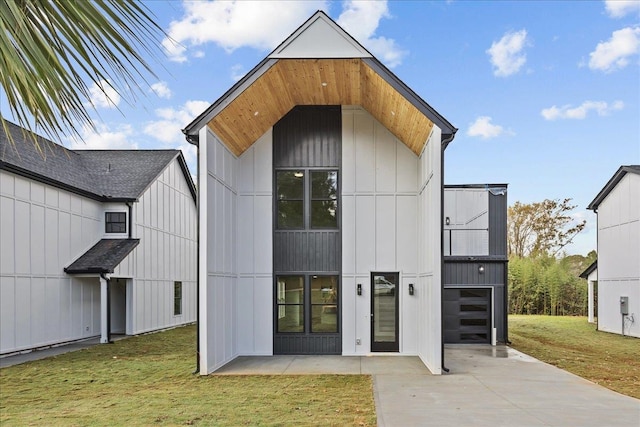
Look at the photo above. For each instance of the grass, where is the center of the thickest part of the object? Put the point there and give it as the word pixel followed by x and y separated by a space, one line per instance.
pixel 573 344
pixel 148 380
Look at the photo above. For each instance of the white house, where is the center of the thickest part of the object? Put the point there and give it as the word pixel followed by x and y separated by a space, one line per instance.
pixel 320 185
pixel 618 269
pixel 93 242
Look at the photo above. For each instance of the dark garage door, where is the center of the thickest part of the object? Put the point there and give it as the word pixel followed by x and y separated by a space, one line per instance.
pixel 467 315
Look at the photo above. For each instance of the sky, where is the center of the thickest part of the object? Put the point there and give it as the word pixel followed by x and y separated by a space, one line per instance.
pixel 545 94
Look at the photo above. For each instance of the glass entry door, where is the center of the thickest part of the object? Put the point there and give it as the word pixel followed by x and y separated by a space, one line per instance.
pixel 384 312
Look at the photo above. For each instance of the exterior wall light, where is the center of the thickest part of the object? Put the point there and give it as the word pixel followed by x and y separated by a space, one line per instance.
pixel 359 290
pixel 481 269
pixel 447 221
pixel 411 289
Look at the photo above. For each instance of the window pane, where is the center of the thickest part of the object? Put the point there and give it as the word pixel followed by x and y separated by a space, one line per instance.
pixel 290 184
pixel 324 185
pixel 177 298
pixel 324 289
pixel 324 318
pixel 290 290
pixel 290 214
pixel 323 214
pixel 290 318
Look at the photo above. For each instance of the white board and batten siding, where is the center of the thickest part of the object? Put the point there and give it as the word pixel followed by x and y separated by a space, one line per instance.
pixel 619 256
pixel 43 229
pixel 218 265
pixel 164 219
pixel 389 196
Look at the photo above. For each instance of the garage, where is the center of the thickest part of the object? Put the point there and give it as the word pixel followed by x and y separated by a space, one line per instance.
pixel 467 315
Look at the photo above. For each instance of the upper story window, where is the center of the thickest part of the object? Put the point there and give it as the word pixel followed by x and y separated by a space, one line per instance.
pixel 307 199
pixel 115 222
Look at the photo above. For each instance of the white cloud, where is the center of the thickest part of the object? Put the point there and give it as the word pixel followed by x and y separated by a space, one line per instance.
pixel 361 19
pixel 237 72
pixel 162 90
pixel 168 128
pixel 620 8
pixel 507 56
pixel 102 94
pixel 234 24
pixel 104 138
pixel 580 112
pixel 614 54
pixel 483 128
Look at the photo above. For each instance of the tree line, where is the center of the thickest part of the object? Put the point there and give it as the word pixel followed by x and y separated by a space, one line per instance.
pixel 542 278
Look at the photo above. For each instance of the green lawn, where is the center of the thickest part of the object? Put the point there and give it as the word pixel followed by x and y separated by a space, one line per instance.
pixel 148 380
pixel 573 344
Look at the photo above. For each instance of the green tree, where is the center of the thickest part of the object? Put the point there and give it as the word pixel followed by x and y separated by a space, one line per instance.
pixel 51 51
pixel 541 228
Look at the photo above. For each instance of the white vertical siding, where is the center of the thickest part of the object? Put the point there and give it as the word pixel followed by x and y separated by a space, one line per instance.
pixel 380 197
pixel 429 289
pixel 619 256
pixel 43 230
pixel 164 219
pixel 254 249
pixel 218 278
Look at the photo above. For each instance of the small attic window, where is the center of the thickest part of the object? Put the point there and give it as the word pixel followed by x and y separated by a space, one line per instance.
pixel 115 222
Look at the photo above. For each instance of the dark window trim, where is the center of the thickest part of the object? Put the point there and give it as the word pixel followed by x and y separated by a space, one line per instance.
pixel 177 300
pixel 108 222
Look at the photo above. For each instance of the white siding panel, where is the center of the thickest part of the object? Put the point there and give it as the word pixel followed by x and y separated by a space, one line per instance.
pixel 263 316
pixel 263 164
pixel 7 230
pixel 7 184
pixel 245 234
pixel 365 167
pixel 365 234
pixel 263 238
pixel 8 310
pixel 407 241
pixel 385 155
pixel 52 263
pixel 348 235
pixel 385 233
pixel 349 316
pixel 407 167
pixel 23 238
pixel 23 315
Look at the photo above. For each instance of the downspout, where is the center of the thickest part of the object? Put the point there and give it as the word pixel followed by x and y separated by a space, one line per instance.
pixel 193 139
pixel 130 206
pixel 445 142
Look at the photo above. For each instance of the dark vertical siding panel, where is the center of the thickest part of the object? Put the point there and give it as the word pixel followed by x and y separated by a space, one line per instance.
pixel 497 225
pixel 308 136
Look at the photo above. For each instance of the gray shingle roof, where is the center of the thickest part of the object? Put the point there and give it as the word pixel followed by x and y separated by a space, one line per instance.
pixel 615 179
pixel 106 175
pixel 103 257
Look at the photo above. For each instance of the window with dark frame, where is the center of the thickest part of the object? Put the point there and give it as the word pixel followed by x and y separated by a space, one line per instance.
pixel 306 193
pixel 177 298
pixel 299 296
pixel 115 222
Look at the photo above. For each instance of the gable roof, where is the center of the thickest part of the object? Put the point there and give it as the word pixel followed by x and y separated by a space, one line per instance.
pixel 306 69
pixel 103 257
pixel 104 175
pixel 585 274
pixel 615 179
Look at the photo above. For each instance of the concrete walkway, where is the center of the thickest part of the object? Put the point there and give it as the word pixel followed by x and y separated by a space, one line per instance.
pixel 486 386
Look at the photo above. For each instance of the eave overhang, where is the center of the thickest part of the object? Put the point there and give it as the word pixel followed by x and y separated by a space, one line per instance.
pixel 613 182
pixel 284 80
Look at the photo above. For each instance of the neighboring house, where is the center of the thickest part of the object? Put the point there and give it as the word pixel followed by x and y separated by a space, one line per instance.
pixel 320 185
pixel 94 242
pixel 591 276
pixel 618 269
pixel 475 264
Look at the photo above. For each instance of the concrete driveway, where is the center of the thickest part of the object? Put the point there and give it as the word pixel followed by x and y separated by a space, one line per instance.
pixel 486 386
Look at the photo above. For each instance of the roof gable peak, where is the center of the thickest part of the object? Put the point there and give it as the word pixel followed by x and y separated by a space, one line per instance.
pixel 320 37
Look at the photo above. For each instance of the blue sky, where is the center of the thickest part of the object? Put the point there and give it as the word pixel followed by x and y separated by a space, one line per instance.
pixel 546 94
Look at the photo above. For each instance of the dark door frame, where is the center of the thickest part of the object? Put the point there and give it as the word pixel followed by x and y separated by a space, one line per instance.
pixel 391 346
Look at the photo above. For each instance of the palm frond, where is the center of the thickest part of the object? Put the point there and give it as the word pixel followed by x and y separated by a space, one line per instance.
pixel 52 51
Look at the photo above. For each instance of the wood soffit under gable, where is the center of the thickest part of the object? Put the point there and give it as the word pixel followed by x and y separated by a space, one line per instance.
pixel 291 82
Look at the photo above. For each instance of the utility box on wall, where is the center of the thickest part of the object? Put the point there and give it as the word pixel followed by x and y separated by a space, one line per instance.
pixel 624 305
